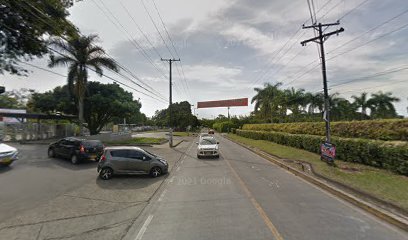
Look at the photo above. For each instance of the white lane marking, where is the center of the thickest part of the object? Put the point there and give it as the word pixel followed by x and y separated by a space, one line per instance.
pixel 162 195
pixel 171 180
pixel 178 168
pixel 144 227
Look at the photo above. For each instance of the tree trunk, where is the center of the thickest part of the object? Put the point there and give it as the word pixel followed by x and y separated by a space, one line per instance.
pixel 81 114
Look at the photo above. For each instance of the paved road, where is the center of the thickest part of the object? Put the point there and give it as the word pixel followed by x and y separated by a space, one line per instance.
pixel 43 198
pixel 243 196
pixel 35 179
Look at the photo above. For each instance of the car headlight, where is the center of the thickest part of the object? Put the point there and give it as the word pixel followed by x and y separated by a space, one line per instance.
pixel 163 161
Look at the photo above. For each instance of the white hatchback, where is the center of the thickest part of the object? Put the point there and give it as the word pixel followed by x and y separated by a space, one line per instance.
pixel 208 147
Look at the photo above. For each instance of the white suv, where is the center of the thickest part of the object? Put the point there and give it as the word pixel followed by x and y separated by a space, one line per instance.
pixel 208 147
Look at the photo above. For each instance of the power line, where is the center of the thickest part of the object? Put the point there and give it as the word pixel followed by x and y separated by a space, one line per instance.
pixel 61 54
pixel 351 10
pixel 164 42
pixel 120 66
pixel 175 49
pixel 44 69
pixel 271 61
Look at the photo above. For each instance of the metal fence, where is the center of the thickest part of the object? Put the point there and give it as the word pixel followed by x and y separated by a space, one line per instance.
pixel 34 131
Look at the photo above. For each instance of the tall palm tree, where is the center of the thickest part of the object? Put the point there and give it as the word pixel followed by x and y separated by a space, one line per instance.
pixel 266 100
pixel 362 102
pixel 381 105
pixel 79 55
pixel 295 99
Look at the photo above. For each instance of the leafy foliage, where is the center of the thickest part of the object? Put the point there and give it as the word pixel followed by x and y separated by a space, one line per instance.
pixel 80 53
pixel 181 117
pixel 25 27
pixel 390 129
pixel 103 103
pixel 273 104
pixel 381 154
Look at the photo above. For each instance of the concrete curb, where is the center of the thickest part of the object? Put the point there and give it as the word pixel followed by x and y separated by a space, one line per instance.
pixel 384 215
pixel 175 145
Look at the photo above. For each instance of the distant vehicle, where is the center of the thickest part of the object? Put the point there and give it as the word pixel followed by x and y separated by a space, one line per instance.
pixel 8 154
pixel 208 147
pixel 130 160
pixel 76 149
pixel 211 131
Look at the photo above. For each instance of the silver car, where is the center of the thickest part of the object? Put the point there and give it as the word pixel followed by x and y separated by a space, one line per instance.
pixel 208 147
pixel 130 160
pixel 8 154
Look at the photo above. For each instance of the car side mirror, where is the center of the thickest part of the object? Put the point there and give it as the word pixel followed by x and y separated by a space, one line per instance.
pixel 197 143
pixel 144 158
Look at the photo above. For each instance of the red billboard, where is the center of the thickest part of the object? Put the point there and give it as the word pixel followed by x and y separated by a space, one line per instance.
pixel 224 103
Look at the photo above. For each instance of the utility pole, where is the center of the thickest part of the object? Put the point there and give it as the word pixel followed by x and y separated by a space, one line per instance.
pixel 320 39
pixel 170 100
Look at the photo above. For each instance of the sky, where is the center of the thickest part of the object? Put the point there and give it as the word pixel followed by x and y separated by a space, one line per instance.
pixel 229 47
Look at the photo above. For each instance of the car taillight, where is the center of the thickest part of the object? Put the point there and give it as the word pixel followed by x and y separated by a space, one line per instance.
pixel 103 158
pixel 82 149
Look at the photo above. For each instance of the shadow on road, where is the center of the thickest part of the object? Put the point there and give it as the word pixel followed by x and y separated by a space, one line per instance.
pixel 61 162
pixel 4 169
pixel 129 181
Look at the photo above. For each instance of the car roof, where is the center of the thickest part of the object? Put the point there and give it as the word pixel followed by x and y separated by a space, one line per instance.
pixel 124 148
pixel 81 139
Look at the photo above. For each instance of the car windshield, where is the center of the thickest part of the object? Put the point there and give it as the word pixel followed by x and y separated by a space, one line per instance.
pixel 208 141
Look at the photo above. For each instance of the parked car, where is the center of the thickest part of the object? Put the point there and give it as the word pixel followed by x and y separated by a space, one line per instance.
pixel 130 160
pixel 8 154
pixel 76 149
pixel 211 131
pixel 208 147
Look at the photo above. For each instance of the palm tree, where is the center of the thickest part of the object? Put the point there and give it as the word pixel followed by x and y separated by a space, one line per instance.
pixel 362 102
pixel 80 54
pixel 266 100
pixel 315 101
pixel 295 100
pixel 381 105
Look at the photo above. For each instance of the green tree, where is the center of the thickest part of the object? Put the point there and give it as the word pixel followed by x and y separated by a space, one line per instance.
pixel 181 116
pixel 9 102
pixel 381 105
pixel 362 102
pixel 268 101
pixel 80 53
pixel 102 103
pixel 25 28
pixel 295 100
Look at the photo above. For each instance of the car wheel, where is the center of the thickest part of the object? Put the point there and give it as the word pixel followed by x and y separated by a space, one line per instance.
pixel 198 156
pixel 51 153
pixel 106 173
pixel 74 159
pixel 155 172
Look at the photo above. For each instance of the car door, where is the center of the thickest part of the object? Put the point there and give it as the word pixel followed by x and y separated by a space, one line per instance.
pixel 67 147
pixel 120 160
pixel 140 162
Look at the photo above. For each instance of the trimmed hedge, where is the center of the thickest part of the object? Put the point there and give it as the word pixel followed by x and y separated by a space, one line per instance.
pixel 381 154
pixel 390 129
pixel 224 126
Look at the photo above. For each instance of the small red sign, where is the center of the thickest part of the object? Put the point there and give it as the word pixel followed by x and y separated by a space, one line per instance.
pixel 239 102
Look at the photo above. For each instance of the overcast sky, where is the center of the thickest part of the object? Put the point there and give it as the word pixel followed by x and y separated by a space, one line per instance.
pixel 229 47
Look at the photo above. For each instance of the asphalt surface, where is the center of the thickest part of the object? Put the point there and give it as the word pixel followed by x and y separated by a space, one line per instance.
pixel 35 179
pixel 45 198
pixel 243 196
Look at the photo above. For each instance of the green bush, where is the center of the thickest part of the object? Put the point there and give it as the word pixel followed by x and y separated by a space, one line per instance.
pixel 391 129
pixel 224 126
pixel 388 155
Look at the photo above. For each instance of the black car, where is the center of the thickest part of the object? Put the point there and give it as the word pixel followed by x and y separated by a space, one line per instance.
pixel 76 149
